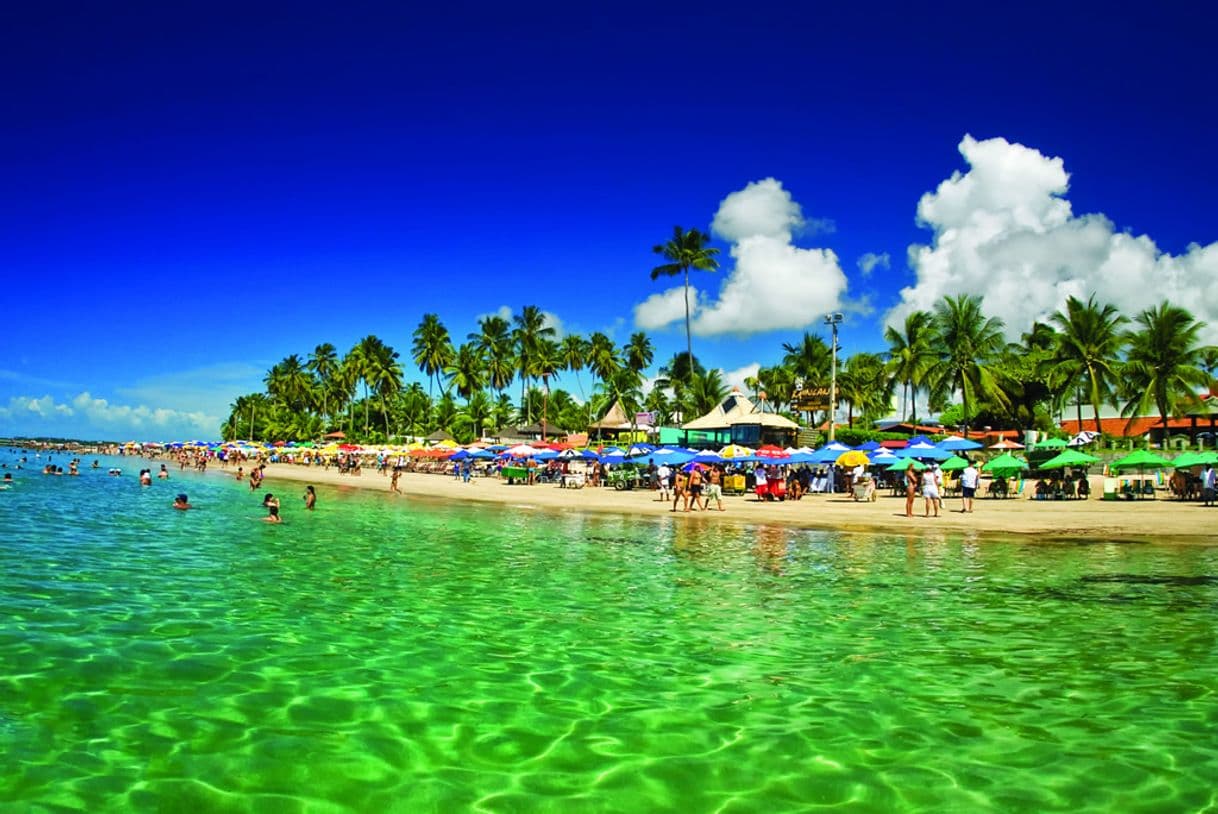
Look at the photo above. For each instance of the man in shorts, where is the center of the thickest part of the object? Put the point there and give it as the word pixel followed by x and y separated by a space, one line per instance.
pixel 695 488
pixel 663 477
pixel 968 486
pixel 714 488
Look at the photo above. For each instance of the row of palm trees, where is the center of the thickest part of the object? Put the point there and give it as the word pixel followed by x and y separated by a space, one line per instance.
pixel 1087 352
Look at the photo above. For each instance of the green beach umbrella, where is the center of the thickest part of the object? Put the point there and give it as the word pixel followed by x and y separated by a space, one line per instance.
pixel 1051 443
pixel 1005 464
pixel 953 463
pixel 899 466
pixel 1190 459
pixel 1071 457
pixel 1141 459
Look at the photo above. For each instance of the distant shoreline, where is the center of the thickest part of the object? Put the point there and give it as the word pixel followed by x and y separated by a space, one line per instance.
pixel 1160 521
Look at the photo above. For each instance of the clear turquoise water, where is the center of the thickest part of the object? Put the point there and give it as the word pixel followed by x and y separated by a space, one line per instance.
pixel 394 655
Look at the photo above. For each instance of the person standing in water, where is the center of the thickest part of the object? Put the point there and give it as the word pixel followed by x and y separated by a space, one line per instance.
pixel 272 507
pixel 310 498
pixel 181 502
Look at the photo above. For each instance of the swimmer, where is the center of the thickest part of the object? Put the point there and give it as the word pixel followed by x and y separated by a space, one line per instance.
pixel 164 473
pixel 310 498
pixel 8 480
pixel 181 502
pixel 145 477
pixel 240 473
pixel 272 507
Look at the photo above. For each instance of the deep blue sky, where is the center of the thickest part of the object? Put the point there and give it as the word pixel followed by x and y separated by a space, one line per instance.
pixel 191 193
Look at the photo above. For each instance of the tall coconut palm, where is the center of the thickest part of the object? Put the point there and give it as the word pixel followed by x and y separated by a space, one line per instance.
pixel 386 378
pixel 638 352
pixel 547 361
pixel 432 350
pixel 968 342
pixel 532 326
pixel 574 353
pixel 603 358
pixel 467 370
pixel 705 392
pixel 323 363
pixel 865 386
pixel 288 382
pixel 684 251
pixel 1089 341
pixel 910 358
pixel 478 409
pixel 1163 363
pixel 494 342
pixel 810 359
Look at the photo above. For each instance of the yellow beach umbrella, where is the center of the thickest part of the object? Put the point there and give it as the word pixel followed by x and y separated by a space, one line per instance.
pixel 854 457
pixel 735 451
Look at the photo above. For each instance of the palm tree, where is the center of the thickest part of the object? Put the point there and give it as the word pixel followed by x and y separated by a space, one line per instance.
pixel 288 382
pixel 547 361
pixel 477 410
pixel 706 391
pixel 432 350
pixel 777 383
pixel 494 343
pixel 386 381
pixel 910 357
pixel 574 352
pixel 323 363
pixel 1163 365
pixel 638 352
pixel 969 340
pixel 686 250
pixel 467 371
pixel 865 386
pixel 531 328
pixel 1087 347
pixel 603 359
pixel 809 360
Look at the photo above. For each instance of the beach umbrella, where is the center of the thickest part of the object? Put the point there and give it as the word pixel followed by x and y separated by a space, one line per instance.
pixel 612 457
pixel 708 457
pixel 546 455
pixel 901 464
pixel 460 455
pixel 522 451
pixel 482 455
pixel 1005 444
pixel 673 456
pixel 770 452
pixel 1185 460
pixel 1051 443
pixel 852 458
pixel 868 446
pixel 883 456
pixel 828 454
pixel 956 444
pixel 692 465
pixel 1005 464
pixel 924 451
pixel 918 439
pixel 1082 439
pixel 1141 459
pixel 735 451
pixel 953 463
pixel 639 450
pixel 1069 457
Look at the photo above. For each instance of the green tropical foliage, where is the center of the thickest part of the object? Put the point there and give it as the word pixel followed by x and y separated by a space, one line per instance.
pixel 686 250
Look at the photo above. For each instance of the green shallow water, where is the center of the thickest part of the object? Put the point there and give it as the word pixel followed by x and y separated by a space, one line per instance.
pixel 401 656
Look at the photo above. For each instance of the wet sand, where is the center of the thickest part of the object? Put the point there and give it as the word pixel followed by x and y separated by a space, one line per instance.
pixel 1093 520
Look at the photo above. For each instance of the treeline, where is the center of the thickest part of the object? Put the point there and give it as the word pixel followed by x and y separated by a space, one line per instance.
pixel 1087 353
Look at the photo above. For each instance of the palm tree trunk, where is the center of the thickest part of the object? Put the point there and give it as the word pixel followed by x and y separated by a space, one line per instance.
pixel 689 345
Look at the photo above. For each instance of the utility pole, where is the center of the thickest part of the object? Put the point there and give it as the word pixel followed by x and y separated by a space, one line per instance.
pixel 833 320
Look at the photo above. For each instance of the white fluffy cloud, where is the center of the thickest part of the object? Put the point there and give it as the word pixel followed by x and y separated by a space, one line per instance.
pixel 735 378
pixel 871 261
pixel 88 415
pixel 1004 230
pixel 774 285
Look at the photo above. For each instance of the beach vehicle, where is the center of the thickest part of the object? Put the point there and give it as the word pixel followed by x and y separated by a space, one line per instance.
pixel 624 477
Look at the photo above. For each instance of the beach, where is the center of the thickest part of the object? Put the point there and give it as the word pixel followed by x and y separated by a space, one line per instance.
pixel 1093 520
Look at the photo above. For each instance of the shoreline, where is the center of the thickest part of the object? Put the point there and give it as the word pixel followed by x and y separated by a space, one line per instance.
pixel 1020 519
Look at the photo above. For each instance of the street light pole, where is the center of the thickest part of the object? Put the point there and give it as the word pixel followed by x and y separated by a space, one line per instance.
pixel 833 320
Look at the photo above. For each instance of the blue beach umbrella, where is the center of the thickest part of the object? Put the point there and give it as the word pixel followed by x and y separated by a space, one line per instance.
pixel 868 446
pixel 957 444
pixel 640 450
pixel 612 457
pixel 708 457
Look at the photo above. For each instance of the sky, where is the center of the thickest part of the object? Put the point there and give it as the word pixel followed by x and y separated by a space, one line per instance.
pixel 191 192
